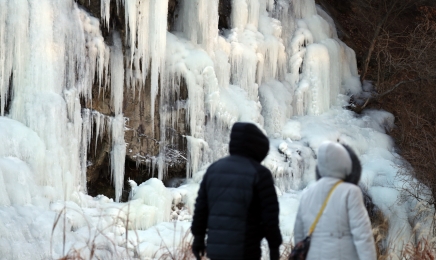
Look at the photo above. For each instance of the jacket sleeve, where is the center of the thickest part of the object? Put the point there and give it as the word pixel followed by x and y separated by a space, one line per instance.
pixel 266 191
pixel 298 227
pixel 201 212
pixel 360 225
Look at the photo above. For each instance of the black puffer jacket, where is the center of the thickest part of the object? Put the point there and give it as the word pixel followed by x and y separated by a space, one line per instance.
pixel 237 203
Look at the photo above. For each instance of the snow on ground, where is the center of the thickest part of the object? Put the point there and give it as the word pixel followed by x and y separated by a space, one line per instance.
pixel 156 220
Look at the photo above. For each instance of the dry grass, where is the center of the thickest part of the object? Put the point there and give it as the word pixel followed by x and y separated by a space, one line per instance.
pixel 93 248
pixel 182 252
pixel 380 227
pixel 287 249
pixel 423 249
pixel 101 246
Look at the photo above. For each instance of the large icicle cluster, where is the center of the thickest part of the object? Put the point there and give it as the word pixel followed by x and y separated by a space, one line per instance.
pixel 258 63
pixel 278 60
pixel 48 64
pixel 146 26
pixel 51 55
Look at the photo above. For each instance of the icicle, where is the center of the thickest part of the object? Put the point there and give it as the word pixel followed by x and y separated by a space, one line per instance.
pixel 14 46
pixel 70 98
pixel 86 141
pixel 100 122
pixel 222 64
pixel 130 15
pixel 209 20
pixel 276 99
pixel 272 49
pixel 316 71
pixel 196 147
pixel 244 66
pixel 158 31
pixel 118 155
pixel 302 97
pixel 239 15
pixel 105 12
pixel 350 77
pixel 335 76
pixel 117 74
pixel 4 71
pixel 198 19
pixel 253 12
pixel 284 14
pixel 303 8
pixel 97 121
pixel 146 26
pixel 105 126
pixel 98 55
pixel 270 5
pixel 143 52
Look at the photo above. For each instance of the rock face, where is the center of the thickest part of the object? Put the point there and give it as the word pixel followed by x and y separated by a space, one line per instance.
pixel 172 13
pixel 224 12
pixel 92 6
pixel 142 134
pixel 144 141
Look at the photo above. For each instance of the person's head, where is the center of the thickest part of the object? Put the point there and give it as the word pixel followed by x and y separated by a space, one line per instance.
pixel 247 139
pixel 339 161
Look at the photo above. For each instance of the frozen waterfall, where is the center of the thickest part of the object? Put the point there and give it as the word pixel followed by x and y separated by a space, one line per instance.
pixel 281 66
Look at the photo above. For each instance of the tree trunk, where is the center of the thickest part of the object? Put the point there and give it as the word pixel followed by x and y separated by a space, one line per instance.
pixel 373 41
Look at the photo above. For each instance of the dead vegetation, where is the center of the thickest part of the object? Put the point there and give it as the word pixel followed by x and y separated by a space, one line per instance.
pixel 395 45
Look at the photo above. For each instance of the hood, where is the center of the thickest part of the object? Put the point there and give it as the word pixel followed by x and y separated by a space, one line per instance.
pixel 339 161
pixel 247 139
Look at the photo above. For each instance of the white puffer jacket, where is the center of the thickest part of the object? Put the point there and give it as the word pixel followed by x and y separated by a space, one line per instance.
pixel 344 229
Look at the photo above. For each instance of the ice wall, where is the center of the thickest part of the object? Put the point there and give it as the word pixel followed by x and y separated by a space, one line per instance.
pixel 280 59
pixel 37 72
pixel 52 55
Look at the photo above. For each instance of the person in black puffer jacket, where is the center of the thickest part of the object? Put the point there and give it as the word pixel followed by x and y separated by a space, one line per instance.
pixel 237 203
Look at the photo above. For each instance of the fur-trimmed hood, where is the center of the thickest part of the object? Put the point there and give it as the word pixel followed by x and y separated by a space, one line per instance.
pixel 339 161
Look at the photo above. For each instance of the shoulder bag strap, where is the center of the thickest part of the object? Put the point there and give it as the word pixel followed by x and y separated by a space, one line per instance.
pixel 312 228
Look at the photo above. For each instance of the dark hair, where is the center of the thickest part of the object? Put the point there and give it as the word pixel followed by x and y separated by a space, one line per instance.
pixel 356 167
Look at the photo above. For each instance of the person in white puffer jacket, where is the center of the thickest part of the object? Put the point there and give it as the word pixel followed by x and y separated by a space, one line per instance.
pixel 344 229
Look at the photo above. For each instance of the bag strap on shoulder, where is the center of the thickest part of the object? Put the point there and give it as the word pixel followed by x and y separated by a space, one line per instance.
pixel 312 228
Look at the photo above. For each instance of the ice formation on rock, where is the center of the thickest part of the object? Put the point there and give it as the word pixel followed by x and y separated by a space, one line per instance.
pixel 280 66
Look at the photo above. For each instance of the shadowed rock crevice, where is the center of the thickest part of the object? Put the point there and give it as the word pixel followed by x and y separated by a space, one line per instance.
pixel 173 7
pixel 224 12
